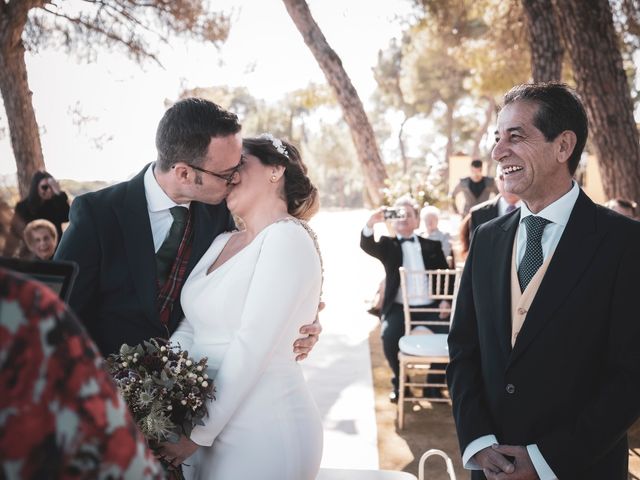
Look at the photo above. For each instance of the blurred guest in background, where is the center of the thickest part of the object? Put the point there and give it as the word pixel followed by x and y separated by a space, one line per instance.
pixel 476 188
pixel 502 204
pixel 430 216
pixel 623 207
pixel 61 415
pixel 45 200
pixel 41 238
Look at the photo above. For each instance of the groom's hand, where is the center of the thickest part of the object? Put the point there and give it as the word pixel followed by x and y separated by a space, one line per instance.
pixel 303 346
pixel 177 453
pixel 524 469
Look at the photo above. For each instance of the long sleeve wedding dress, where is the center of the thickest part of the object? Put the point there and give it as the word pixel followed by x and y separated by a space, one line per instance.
pixel 244 316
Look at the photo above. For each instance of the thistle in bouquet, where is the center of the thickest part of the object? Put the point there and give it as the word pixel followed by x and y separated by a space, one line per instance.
pixel 166 390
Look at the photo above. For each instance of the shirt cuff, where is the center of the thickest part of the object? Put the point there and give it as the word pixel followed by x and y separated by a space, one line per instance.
pixel 366 231
pixel 473 448
pixel 540 464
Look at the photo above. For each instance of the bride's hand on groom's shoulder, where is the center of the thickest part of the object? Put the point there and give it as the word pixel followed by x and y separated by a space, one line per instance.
pixel 177 453
pixel 303 346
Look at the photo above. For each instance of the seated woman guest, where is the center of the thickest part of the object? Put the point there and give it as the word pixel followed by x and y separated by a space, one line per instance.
pixel 44 200
pixel 41 238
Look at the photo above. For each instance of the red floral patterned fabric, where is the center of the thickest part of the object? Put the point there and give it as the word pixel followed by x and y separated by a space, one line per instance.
pixel 61 415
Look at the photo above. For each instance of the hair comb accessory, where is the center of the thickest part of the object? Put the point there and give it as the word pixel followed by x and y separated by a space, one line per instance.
pixel 276 142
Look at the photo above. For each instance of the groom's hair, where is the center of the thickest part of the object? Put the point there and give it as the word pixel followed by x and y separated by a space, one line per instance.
pixel 186 129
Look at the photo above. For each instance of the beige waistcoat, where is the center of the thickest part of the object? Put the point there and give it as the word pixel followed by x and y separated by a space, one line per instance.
pixel 521 301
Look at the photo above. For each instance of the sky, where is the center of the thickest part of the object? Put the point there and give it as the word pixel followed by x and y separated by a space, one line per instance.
pixel 124 101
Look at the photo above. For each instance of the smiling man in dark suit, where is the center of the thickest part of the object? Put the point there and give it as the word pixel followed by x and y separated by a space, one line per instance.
pixel 545 364
pixel 136 242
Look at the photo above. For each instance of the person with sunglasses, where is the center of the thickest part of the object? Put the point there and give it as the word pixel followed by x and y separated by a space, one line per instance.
pixel 45 200
pixel 136 242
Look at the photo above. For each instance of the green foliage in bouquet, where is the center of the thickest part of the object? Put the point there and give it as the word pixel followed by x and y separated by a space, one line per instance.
pixel 165 389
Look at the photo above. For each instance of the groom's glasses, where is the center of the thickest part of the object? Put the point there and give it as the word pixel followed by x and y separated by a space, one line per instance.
pixel 228 178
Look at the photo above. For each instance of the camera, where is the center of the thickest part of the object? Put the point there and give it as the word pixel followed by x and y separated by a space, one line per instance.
pixel 395 213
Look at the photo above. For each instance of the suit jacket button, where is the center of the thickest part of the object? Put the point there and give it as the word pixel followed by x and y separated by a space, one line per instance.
pixel 511 388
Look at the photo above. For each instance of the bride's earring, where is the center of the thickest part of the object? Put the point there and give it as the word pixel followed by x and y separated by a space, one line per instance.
pixel 273 178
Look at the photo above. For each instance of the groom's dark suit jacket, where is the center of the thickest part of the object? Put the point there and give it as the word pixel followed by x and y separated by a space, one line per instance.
pixel 110 238
pixel 571 383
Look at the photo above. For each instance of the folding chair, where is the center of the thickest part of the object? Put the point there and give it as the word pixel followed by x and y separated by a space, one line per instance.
pixel 419 352
pixel 437 453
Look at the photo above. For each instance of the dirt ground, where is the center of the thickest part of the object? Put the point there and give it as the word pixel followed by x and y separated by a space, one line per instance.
pixel 432 427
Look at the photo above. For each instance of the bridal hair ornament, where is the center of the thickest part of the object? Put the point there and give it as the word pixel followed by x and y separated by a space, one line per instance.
pixel 276 142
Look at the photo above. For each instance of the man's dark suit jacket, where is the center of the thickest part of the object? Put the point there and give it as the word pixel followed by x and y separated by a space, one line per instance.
pixel 571 384
pixel 110 238
pixel 389 251
pixel 482 213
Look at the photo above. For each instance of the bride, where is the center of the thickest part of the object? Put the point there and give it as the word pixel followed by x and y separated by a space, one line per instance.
pixel 244 303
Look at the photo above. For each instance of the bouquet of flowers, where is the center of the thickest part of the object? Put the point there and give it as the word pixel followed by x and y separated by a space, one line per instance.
pixel 165 389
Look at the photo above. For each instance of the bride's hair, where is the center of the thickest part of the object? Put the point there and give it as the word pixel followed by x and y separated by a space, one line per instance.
pixel 299 193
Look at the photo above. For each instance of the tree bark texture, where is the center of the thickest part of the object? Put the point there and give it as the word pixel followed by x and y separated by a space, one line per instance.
pixel 482 131
pixel 592 45
pixel 544 40
pixel 352 109
pixel 17 97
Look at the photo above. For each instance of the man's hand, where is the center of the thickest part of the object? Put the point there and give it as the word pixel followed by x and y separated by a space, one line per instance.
pixel 376 217
pixel 177 453
pixel 493 463
pixel 524 469
pixel 303 346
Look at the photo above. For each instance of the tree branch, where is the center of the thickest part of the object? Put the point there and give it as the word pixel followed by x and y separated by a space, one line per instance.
pixel 137 50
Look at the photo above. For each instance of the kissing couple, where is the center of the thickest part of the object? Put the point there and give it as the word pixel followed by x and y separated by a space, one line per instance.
pixel 160 256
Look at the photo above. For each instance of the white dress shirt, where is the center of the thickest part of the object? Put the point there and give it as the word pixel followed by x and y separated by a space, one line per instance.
pixel 558 214
pixel 411 260
pixel 158 205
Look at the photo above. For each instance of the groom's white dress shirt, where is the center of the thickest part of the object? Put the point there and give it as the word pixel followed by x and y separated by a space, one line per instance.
pixel 158 205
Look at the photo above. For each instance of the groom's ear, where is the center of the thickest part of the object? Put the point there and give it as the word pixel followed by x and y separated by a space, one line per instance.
pixel 181 171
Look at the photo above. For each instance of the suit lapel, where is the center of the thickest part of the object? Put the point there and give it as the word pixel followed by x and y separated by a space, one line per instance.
pixel 203 229
pixel 573 254
pixel 502 246
pixel 138 242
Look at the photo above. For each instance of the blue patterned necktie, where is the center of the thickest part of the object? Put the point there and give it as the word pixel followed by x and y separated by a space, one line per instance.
pixel 533 257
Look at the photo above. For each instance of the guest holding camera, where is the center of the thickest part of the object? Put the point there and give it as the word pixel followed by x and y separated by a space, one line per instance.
pixel 44 200
pixel 408 250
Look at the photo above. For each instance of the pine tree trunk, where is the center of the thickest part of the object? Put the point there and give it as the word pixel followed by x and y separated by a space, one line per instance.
pixel 544 40
pixel 403 151
pixel 14 87
pixel 449 129
pixel 592 44
pixel 352 109
pixel 482 131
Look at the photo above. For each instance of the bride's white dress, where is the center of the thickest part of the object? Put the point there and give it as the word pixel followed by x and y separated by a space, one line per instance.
pixel 244 316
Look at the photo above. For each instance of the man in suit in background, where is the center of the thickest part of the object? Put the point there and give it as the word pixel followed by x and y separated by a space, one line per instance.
pixel 408 250
pixel 545 366
pixel 475 188
pixel 136 242
pixel 501 204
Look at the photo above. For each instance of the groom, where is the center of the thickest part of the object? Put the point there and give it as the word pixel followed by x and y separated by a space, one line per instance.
pixel 136 242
